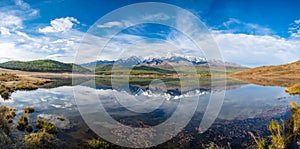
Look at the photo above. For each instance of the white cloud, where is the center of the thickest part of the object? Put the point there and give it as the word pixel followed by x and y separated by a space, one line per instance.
pixel 10 22
pixel 236 26
pixel 294 30
pixel 110 24
pixel 55 56
pixel 22 4
pixel 253 50
pixel 4 31
pixel 159 16
pixel 297 21
pixel 24 10
pixel 60 25
pixel 18 42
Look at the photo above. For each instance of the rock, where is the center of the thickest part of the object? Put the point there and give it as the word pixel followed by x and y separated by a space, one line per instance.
pixel 57 120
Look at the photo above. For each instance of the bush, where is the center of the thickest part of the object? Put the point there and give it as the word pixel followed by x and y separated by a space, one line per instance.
pixel 29 110
pixel 39 140
pixel 46 126
pixel 23 122
pixel 97 144
pixel 4 126
pixel 295 89
pixel 10 114
pixel 29 128
pixel 61 118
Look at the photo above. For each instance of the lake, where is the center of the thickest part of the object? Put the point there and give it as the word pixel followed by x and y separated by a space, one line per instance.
pixel 246 107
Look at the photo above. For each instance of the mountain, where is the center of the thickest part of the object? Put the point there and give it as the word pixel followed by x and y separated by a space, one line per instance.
pixel 160 66
pixel 43 66
pixel 281 75
pixel 163 61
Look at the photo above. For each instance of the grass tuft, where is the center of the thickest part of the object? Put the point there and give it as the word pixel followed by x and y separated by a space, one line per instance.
pixel 28 110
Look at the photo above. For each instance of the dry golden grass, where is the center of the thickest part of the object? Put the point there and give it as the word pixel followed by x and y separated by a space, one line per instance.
pixel 287 70
pixel 295 89
pixel 10 82
pixel 286 75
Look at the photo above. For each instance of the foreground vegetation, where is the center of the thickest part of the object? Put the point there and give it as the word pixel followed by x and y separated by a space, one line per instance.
pixel 295 89
pixel 5 125
pixel 284 134
pixel 42 138
pixel 43 66
pixel 11 82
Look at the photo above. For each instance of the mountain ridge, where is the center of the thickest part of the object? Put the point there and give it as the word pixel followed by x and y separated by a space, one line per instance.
pixel 163 61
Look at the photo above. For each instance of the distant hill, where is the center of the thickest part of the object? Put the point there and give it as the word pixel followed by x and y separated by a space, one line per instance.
pixel 281 75
pixel 291 69
pixel 43 66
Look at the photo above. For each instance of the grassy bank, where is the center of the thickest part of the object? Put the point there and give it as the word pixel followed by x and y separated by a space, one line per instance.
pixel 10 82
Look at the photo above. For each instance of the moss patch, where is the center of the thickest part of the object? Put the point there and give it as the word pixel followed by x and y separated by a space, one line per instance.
pixel 295 89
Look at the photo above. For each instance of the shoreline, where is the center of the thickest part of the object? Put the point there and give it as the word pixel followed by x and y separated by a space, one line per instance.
pixel 66 74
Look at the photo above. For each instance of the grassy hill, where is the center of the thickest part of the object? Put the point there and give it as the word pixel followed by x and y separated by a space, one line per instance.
pixel 43 66
pixel 285 75
pixel 291 69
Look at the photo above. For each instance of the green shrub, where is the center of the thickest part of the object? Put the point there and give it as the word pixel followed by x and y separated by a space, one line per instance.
pixel 97 144
pixel 4 125
pixel 28 110
pixel 23 122
pixel 10 114
pixel 29 128
pixel 39 140
pixel 46 126
pixel 61 118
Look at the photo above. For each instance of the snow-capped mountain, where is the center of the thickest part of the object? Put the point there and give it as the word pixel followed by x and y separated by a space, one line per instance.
pixel 162 61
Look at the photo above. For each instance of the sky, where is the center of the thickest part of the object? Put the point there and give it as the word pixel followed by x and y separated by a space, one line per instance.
pixel 251 33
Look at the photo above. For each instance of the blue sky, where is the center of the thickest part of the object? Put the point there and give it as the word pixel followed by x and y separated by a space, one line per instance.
pixel 251 33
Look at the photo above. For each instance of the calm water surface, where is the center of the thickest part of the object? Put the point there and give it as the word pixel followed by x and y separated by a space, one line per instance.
pixel 246 107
